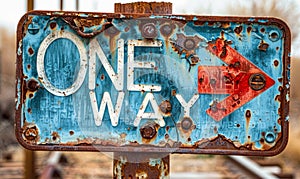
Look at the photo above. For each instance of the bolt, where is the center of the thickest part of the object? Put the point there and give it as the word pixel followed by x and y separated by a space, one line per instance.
pixel 257 81
pixel 148 131
pixel 186 123
pixel 32 85
pixel 166 30
pixel 149 31
pixel 33 28
pixel 189 44
pixel 31 133
pixel 165 107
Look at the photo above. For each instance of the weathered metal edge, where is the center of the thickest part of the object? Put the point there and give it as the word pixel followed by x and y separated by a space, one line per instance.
pixel 285 91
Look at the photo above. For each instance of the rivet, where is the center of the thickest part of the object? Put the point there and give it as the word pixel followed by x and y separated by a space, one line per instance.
pixel 274 36
pixel 166 30
pixel 186 123
pixel 148 131
pixel 270 137
pixel 189 44
pixel 32 85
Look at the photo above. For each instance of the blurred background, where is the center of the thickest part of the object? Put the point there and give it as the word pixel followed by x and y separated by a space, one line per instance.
pixel 12 10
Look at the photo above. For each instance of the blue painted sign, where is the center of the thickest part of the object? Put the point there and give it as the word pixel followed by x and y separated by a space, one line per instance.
pixel 186 84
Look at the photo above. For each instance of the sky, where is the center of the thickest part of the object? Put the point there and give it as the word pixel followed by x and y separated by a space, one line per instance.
pixel 13 10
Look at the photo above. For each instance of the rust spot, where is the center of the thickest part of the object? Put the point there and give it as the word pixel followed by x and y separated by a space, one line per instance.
pixel 238 30
pixel 53 25
pixel 32 85
pixel 30 95
pixel 248 114
pixel 173 92
pixel 30 51
pixel 194 60
pixel 224 52
pixel 29 110
pixel 126 29
pixel 222 34
pixel 167 136
pixel 215 130
pixel 238 125
pixel 263 46
pixel 262 30
pixel 210 23
pixel 276 63
pixel 248 117
pixel 102 77
pixel 123 135
pixel 71 133
pixel 189 139
pixel 249 29
pixel 278 98
pixel 28 66
pixel 225 25
pixel 55 136
pixel 199 23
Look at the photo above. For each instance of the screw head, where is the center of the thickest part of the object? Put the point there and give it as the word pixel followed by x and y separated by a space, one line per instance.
pixel 257 81
pixel 186 123
pixel 149 31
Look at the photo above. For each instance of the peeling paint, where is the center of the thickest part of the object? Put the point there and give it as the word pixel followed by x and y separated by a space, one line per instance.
pixel 146 82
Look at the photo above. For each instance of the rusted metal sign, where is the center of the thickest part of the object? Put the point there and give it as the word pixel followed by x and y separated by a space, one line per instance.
pixel 152 83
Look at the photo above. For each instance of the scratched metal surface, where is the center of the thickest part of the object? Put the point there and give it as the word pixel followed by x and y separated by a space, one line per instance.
pixel 168 83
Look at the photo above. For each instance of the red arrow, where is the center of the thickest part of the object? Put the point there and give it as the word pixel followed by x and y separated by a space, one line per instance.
pixel 241 79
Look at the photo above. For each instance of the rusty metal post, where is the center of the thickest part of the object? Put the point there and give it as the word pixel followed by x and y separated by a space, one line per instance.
pixel 141 165
pixel 144 8
pixel 29 163
pixel 30 5
pixel 61 5
pixel 133 165
pixel 77 5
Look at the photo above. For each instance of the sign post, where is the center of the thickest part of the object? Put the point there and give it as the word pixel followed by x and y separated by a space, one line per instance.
pixel 143 165
pixel 143 80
